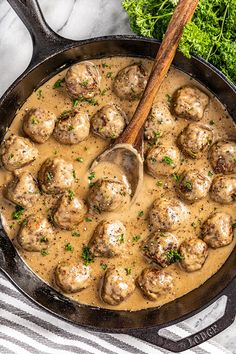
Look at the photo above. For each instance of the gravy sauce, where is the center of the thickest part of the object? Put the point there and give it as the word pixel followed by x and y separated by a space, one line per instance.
pixel 135 216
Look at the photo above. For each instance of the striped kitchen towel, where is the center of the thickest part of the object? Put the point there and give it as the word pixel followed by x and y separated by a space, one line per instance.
pixel 25 329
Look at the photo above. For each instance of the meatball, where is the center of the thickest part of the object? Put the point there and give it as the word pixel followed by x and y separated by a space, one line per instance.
pixel 72 278
pixel 217 230
pixel 83 79
pixel 159 246
pixel 109 122
pixel 130 82
pixel 22 190
pixel 159 120
pixel 17 152
pixel 194 253
pixel 223 189
pixel 223 157
pixel 56 175
pixel 162 160
pixel 38 124
pixel 154 283
pixel 117 285
pixel 167 214
pixel 108 239
pixel 35 234
pixel 195 139
pixel 108 195
pixel 72 128
pixel 189 102
pixel 193 185
pixel 70 211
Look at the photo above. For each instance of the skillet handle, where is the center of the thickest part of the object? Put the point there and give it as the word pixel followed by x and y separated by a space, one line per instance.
pixel 45 40
pixel 152 336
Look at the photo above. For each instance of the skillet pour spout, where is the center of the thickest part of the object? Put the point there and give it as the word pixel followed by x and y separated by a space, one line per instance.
pixel 145 324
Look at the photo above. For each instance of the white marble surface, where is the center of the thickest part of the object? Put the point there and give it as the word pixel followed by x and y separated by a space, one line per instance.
pixel 76 20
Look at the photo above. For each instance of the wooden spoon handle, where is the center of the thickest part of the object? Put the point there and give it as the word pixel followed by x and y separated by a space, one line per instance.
pixel 182 14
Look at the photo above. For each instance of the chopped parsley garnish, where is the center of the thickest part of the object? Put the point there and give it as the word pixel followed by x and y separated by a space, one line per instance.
pixel 192 154
pixel 58 83
pixel 88 219
pixel 75 233
pixel 71 194
pixel 91 176
pixel 173 256
pixel 81 98
pixel 110 74
pixel 39 93
pixel 44 253
pixel 128 271
pixel 210 173
pixel 49 176
pixel 17 214
pixel 84 83
pixel 71 127
pixel 176 177
pixel 86 256
pixel 10 156
pixel 74 174
pixel 159 183
pixel 187 185
pixel 211 122
pixel 103 92
pixel 140 213
pixel 43 239
pixel 234 225
pixel 167 160
pixel 103 266
pixel 121 238
pixel 69 247
pixel 136 238
pixel 34 120
pixel 79 159
pixel 104 65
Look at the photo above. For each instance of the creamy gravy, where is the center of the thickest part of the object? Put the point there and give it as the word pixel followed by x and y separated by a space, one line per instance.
pixel 57 101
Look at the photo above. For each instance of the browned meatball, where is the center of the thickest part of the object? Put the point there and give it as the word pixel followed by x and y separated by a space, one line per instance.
pixel 17 152
pixel 108 195
pixel 83 79
pixel 223 189
pixel 130 82
pixel 109 122
pixel 72 278
pixel 159 247
pixel 223 157
pixel 159 120
pixel 217 230
pixel 193 185
pixel 38 124
pixel 35 234
pixel 163 160
pixel 22 190
pixel 56 175
pixel 194 253
pixel 155 283
pixel 108 239
pixel 70 211
pixel 190 102
pixel 195 139
pixel 117 286
pixel 72 128
pixel 167 214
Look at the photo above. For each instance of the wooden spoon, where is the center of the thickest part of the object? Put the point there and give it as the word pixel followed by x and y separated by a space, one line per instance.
pixel 127 150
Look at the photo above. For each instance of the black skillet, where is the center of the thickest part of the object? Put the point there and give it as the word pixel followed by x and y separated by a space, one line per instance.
pixel 52 52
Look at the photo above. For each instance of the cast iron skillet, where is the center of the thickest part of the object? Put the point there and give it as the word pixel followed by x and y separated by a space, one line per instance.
pixel 52 52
